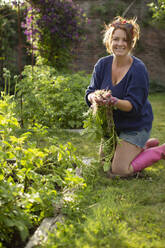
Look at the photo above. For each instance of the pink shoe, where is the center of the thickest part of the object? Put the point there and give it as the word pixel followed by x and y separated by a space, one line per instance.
pixel 148 157
pixel 151 143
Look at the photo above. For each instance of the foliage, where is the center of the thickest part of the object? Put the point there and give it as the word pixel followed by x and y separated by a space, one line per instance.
pixel 99 123
pixel 53 27
pixel 8 27
pixel 158 11
pixel 9 40
pixel 102 10
pixel 32 179
pixel 52 99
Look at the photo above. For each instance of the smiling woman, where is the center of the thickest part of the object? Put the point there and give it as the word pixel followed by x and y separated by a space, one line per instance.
pixel 127 78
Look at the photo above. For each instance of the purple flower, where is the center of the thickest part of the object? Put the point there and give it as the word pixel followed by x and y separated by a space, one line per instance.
pixel 53 24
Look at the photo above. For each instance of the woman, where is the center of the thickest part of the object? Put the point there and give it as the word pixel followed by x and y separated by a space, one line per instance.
pixel 127 78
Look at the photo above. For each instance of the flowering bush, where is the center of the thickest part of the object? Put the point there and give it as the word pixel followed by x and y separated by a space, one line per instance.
pixel 53 27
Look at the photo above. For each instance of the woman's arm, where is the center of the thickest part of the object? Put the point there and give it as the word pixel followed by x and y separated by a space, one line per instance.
pixel 95 83
pixel 124 105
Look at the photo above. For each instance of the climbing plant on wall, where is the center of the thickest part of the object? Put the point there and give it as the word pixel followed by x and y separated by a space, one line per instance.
pixel 53 27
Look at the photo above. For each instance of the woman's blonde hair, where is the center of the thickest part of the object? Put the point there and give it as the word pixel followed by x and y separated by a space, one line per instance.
pixel 130 26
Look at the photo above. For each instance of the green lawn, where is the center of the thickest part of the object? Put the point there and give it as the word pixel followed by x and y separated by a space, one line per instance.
pixel 116 213
pixel 158 104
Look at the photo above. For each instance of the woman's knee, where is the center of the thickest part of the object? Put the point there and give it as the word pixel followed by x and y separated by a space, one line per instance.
pixel 122 170
pixel 124 154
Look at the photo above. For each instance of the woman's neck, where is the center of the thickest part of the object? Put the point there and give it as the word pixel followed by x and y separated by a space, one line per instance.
pixel 122 61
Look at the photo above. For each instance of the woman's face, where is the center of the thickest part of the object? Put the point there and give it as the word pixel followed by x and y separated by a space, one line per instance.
pixel 119 43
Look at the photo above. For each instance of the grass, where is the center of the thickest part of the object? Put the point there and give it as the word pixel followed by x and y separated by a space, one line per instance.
pixel 116 213
pixel 158 103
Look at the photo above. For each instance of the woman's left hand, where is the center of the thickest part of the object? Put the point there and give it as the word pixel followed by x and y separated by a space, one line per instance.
pixel 112 100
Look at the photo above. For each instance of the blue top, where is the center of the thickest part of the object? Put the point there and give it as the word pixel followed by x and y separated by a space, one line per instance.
pixel 133 87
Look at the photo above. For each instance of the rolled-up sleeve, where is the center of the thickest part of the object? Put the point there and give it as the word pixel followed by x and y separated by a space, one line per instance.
pixel 137 91
pixel 94 84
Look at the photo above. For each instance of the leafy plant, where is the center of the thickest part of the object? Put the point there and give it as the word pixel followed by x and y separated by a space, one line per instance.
pixel 52 99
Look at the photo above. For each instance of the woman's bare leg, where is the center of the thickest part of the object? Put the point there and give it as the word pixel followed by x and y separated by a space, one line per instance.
pixel 124 154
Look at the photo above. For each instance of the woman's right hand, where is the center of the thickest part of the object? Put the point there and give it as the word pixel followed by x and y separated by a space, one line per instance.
pixel 94 98
pixel 100 99
pixel 91 97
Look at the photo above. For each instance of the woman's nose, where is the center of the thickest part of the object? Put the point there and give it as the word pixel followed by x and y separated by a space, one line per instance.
pixel 120 42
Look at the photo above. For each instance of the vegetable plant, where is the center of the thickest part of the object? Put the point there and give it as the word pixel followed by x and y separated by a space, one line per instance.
pixel 52 99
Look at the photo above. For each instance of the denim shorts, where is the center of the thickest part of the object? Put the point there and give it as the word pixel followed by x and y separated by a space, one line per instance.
pixel 138 138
